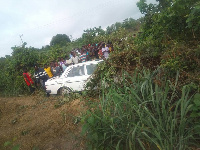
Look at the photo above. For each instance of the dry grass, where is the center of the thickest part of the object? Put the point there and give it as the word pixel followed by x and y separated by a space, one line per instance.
pixel 35 122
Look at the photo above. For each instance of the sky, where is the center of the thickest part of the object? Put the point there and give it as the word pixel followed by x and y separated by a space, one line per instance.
pixel 37 21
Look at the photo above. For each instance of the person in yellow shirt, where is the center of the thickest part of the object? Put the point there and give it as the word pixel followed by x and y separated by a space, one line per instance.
pixel 109 47
pixel 48 71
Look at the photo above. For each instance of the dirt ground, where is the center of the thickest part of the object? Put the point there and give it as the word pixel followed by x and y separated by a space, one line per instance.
pixel 40 123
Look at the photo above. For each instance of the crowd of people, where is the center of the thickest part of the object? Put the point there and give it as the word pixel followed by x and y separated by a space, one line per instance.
pixel 93 51
pixel 55 68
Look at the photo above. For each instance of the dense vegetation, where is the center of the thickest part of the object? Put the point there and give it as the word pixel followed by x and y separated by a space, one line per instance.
pixel 149 87
pixel 141 114
pixel 11 79
pixel 150 98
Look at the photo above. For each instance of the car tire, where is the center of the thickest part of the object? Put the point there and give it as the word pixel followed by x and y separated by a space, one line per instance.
pixel 65 91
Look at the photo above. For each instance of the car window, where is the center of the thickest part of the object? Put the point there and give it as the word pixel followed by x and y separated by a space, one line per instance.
pixel 76 71
pixel 91 68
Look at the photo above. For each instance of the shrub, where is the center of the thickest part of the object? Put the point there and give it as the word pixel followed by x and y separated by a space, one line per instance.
pixel 141 114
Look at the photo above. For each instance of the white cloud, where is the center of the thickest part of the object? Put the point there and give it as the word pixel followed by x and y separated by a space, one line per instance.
pixel 40 20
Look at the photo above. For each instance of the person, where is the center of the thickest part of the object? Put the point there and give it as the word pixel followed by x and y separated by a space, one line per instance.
pixel 112 49
pixel 51 66
pixel 56 69
pixel 109 47
pixel 100 50
pixel 96 51
pixel 87 54
pixel 28 80
pixel 71 54
pixel 40 76
pixel 90 53
pixel 68 62
pixel 48 71
pixel 105 51
pixel 62 64
pixel 78 51
pixel 83 56
pixel 75 58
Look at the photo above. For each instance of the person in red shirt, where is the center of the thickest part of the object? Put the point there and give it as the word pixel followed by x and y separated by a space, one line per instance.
pixel 28 80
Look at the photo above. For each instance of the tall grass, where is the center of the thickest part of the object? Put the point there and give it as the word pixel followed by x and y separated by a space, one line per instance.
pixel 141 115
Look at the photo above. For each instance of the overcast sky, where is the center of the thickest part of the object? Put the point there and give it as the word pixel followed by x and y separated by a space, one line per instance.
pixel 37 21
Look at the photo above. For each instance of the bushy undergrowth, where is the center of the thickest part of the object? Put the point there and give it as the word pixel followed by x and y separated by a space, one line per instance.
pixel 142 114
pixel 177 56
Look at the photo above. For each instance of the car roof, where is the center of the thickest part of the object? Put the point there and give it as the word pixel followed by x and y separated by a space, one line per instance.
pixel 88 62
pixel 80 64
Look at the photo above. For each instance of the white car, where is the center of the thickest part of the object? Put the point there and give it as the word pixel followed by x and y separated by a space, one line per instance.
pixel 73 78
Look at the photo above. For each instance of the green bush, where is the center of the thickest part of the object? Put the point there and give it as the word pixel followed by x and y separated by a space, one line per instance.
pixel 142 115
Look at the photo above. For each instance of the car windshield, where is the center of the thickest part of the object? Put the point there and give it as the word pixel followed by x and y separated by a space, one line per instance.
pixel 76 71
pixel 91 68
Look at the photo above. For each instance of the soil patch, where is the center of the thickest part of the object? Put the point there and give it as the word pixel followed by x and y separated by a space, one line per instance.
pixel 39 123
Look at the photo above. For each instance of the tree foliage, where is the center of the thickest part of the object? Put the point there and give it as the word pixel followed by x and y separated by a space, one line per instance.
pixel 60 39
pixel 129 24
pixel 170 20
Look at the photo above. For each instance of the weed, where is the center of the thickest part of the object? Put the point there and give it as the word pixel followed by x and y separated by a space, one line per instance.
pixel 64 116
pixel 11 145
pixel 25 132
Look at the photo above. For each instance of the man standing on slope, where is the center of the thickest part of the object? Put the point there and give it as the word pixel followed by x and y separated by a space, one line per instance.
pixel 28 80
pixel 40 76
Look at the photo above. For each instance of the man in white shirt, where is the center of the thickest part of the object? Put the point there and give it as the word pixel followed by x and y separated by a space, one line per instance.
pixel 75 58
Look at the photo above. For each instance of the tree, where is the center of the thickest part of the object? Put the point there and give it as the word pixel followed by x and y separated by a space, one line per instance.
pixel 170 19
pixel 60 39
pixel 89 34
pixel 131 24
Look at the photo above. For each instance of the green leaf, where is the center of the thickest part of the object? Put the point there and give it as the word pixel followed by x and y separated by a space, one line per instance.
pixel 16 147
pixel 7 143
pixel 91 120
pixel 14 139
pixel 193 114
pixel 35 148
pixel 118 144
pixel 95 136
pixel 197 99
pixel 84 129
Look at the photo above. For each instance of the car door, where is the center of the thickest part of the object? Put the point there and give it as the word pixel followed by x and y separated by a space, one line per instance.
pixel 90 68
pixel 76 78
